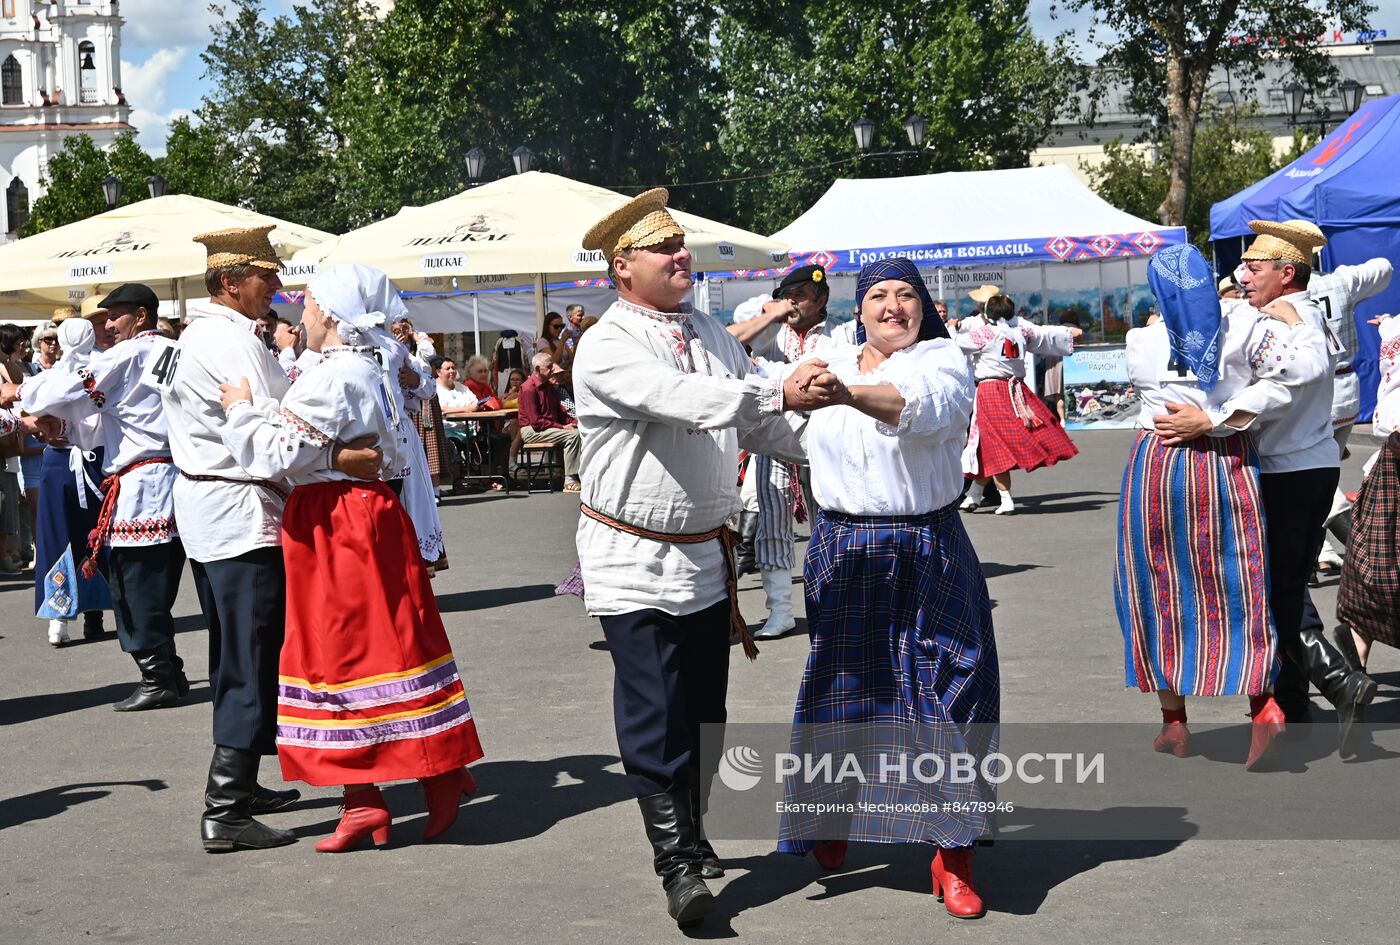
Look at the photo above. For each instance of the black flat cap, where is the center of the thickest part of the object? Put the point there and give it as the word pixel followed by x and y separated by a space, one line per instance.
pixel 802 274
pixel 133 293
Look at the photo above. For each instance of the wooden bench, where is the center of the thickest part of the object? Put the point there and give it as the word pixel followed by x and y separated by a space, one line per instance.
pixel 541 461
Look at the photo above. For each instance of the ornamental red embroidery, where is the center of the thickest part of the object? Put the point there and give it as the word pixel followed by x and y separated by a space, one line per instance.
pixel 90 386
pixel 149 531
pixel 305 430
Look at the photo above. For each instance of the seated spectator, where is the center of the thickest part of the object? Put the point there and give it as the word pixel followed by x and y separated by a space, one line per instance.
pixel 459 402
pixel 544 420
pixel 510 397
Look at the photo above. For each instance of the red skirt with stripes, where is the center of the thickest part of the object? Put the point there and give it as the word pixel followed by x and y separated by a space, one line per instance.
pixel 369 688
pixel 1015 430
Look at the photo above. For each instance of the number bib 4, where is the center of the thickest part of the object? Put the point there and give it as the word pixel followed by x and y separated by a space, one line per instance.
pixel 1175 371
pixel 159 369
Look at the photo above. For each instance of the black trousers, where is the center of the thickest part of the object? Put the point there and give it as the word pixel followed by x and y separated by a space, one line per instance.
pixel 245 602
pixel 145 582
pixel 672 675
pixel 1296 505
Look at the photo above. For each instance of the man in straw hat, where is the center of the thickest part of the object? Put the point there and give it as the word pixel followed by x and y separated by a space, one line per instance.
pixel 231 525
pixel 1298 460
pixel 661 393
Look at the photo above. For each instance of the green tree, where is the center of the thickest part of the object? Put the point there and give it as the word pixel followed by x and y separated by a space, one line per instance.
pixel 72 181
pixel 1163 53
pixel 986 86
pixel 1231 152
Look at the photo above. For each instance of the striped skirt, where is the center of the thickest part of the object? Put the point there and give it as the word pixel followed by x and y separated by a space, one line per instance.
pixel 1369 596
pixel 903 661
pixel 1191 583
pixel 369 689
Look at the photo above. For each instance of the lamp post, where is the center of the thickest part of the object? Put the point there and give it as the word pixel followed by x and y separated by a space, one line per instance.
pixel 155 186
pixel 1294 93
pixel 1351 92
pixel 112 190
pixel 523 158
pixel 915 127
pixel 865 133
pixel 476 163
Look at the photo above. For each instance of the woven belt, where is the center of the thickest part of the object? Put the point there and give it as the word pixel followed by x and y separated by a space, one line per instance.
pixel 111 488
pixel 272 487
pixel 727 540
pixel 1344 371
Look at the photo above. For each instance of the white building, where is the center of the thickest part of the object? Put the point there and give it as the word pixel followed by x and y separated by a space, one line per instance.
pixel 60 75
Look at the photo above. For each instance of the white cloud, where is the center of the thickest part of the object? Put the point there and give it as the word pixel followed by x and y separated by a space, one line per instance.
pixel 166 23
pixel 146 84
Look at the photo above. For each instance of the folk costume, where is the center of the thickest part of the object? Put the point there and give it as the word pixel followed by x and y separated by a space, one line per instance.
pixel 136 523
pixel 663 400
pixel 70 499
pixel 1299 468
pixel 903 649
pixel 1339 292
pixel 1368 600
pixel 368 689
pixel 1011 427
pixel 1191 583
pixel 779 485
pixel 231 527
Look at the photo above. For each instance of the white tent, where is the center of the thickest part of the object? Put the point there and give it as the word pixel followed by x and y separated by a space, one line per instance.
pixel 971 218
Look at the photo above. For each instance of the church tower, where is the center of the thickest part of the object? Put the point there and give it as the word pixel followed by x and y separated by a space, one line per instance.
pixel 60 75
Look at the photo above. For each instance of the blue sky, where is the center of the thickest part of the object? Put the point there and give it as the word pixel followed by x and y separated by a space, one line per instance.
pixel 162 40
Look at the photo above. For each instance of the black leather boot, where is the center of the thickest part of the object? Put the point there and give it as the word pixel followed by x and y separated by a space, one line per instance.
pixel 92 625
pixel 744 560
pixel 228 823
pixel 158 688
pixel 1346 645
pixel 268 801
pixel 1349 690
pixel 671 830
pixel 177 665
pixel 710 867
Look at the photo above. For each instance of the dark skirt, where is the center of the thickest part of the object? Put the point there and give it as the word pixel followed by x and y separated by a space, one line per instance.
pixel 903 659
pixel 1191 584
pixel 61 528
pixel 1369 596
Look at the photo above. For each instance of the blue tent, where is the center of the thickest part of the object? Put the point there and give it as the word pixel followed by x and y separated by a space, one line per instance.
pixel 1349 185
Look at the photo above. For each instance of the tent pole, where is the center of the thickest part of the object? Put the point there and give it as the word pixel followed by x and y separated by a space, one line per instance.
pixel 180 299
pixel 476 323
pixel 540 304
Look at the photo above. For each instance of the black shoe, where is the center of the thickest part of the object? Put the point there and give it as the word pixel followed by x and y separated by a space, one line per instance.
pixel 1349 690
pixel 228 823
pixel 1355 693
pixel 268 801
pixel 671 830
pixel 158 688
pixel 92 625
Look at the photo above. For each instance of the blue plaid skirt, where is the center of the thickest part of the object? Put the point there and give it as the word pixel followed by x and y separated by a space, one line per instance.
pixel 903 662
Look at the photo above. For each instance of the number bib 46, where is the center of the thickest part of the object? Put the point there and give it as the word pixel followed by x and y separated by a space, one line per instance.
pixel 159 369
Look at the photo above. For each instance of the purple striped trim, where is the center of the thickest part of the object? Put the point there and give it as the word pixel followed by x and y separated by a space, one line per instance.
pixel 375 694
pixel 422 726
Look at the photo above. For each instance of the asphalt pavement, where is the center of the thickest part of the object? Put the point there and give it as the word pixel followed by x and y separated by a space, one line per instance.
pixel 99 811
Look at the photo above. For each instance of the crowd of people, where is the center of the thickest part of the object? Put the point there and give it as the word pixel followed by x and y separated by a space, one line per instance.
pixel 296 468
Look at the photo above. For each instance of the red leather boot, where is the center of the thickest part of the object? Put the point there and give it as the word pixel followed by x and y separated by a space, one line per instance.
pixel 1174 738
pixel 443 793
pixel 1269 724
pixel 952 883
pixel 364 813
pixel 831 854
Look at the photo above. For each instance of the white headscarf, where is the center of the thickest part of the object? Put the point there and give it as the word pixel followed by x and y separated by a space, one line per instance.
pixel 76 336
pixel 359 297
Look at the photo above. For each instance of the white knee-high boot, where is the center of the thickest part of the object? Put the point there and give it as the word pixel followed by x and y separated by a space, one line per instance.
pixel 777 586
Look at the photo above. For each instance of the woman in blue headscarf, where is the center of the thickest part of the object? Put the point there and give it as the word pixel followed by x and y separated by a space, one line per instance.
pixel 897 606
pixel 1190 584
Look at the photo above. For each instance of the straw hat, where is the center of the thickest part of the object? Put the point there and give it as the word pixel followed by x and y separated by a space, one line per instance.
pixel 641 222
pixel 92 305
pixel 63 313
pixel 984 294
pixel 240 247
pixel 1226 285
pixel 1294 241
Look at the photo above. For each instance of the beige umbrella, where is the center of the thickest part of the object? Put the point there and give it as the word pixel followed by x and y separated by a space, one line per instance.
pixel 150 242
pixel 518 231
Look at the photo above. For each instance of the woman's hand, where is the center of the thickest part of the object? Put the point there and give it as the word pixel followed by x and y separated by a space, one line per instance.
pixel 1075 333
pixel 1182 423
pixel 230 394
pixel 1283 311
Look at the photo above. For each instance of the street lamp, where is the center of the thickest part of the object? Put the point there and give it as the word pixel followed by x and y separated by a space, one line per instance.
pixel 865 133
pixel 1351 92
pixel 523 158
pixel 155 185
pixel 112 190
pixel 476 163
pixel 915 127
pixel 1294 92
